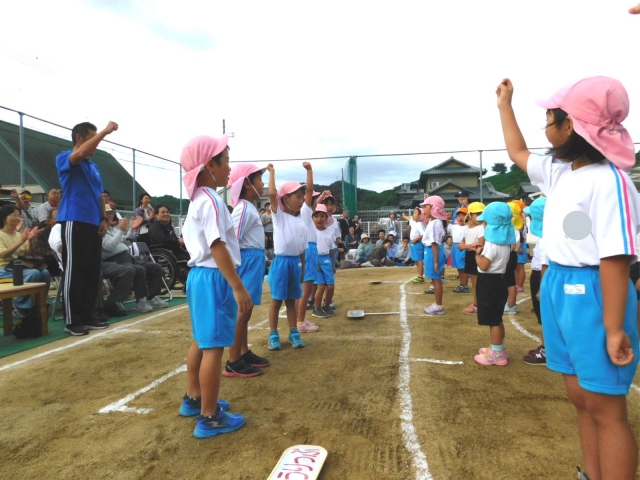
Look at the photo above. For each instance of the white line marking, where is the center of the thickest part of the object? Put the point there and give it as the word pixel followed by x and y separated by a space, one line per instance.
pixel 635 387
pixel 433 360
pixel 121 405
pixel 411 443
pixel 519 327
pixel 92 336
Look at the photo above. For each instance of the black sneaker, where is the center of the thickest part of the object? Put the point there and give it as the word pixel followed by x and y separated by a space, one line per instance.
pixel 94 324
pixel 320 313
pixel 327 309
pixel 76 329
pixel 240 368
pixel 253 359
pixel 113 310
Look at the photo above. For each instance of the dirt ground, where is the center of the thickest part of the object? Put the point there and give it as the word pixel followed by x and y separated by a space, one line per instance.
pixel 340 392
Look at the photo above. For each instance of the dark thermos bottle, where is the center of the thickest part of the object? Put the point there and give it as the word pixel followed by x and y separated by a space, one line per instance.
pixel 18 277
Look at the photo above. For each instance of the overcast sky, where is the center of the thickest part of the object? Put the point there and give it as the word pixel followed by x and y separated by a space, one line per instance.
pixel 296 79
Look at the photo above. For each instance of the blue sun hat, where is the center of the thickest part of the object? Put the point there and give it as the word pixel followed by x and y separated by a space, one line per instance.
pixel 499 229
pixel 536 212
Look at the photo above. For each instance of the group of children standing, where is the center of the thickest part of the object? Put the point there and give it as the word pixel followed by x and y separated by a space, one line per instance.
pixel 588 306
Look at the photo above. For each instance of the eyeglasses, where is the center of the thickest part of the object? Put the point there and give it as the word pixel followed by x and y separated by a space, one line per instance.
pixel 15 215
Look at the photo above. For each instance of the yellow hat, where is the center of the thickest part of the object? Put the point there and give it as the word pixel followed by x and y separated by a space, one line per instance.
pixel 476 207
pixel 517 220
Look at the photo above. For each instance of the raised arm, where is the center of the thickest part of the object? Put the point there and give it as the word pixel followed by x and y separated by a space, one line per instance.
pixel 88 148
pixel 513 139
pixel 273 193
pixel 308 195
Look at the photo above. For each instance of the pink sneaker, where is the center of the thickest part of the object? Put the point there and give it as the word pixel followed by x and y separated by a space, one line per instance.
pixel 434 310
pixel 470 310
pixel 519 289
pixel 492 358
pixel 307 327
pixel 484 351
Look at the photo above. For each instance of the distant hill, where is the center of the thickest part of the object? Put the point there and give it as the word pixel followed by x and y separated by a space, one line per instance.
pixel 508 182
pixel 367 199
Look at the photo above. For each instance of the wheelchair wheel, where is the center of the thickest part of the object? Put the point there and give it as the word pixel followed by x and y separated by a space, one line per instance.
pixel 167 261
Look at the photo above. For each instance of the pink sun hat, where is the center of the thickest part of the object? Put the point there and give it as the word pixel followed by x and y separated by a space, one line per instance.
pixel 437 207
pixel 194 156
pixel 237 176
pixel 287 188
pixel 597 106
pixel 323 208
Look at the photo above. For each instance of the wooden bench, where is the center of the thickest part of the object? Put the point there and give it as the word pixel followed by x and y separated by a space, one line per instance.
pixel 8 291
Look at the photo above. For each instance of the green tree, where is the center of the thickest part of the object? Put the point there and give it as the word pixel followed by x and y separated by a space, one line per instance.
pixel 499 168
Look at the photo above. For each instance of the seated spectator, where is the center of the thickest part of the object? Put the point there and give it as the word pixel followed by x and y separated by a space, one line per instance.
pixel 381 237
pixel 147 282
pixel 41 245
pixel 51 220
pixel 53 201
pixel 351 240
pixel 358 225
pixel 392 251
pixel 378 258
pixel 403 255
pixel 106 197
pixel 29 212
pixel 13 245
pixel 146 212
pixel 364 249
pixel 161 232
pixel 122 278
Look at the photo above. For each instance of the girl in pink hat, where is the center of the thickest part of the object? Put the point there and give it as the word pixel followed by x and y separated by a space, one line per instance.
pixel 588 304
pixel 290 242
pixel 215 292
pixel 434 256
pixel 246 184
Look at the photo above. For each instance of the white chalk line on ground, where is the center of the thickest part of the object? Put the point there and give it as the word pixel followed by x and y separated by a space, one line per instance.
pixel 419 459
pixel 92 336
pixel 121 405
pixel 433 360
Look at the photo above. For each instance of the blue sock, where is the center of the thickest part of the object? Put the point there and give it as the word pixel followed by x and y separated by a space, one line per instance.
pixel 496 348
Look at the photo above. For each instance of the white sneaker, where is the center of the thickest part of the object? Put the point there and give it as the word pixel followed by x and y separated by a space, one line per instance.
pixel 143 306
pixel 157 302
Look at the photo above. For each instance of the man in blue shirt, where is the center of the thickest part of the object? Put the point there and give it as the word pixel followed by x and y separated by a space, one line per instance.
pixel 82 217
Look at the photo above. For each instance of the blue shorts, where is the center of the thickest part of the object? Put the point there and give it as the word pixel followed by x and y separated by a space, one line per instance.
pixel 284 277
pixel 522 257
pixel 574 334
pixel 457 257
pixel 212 307
pixel 417 252
pixel 311 263
pixel 251 272
pixel 429 272
pixel 324 271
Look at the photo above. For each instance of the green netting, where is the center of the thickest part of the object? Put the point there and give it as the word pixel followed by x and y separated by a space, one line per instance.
pixel 10 344
pixel 350 186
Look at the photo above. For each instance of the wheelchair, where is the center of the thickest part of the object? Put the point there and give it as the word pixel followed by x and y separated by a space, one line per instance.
pixel 174 270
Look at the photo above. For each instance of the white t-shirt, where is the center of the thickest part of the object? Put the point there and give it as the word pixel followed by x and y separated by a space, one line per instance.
pixel 472 234
pixel 600 191
pixel 208 220
pixel 248 225
pixel 307 217
pixel 417 229
pixel 457 232
pixel 326 240
pixel 289 234
pixel 539 256
pixel 433 232
pixel 499 256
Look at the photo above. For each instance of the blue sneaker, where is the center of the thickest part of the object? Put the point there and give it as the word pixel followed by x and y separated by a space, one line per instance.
pixel 223 422
pixel 296 341
pixel 192 406
pixel 508 309
pixel 274 341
